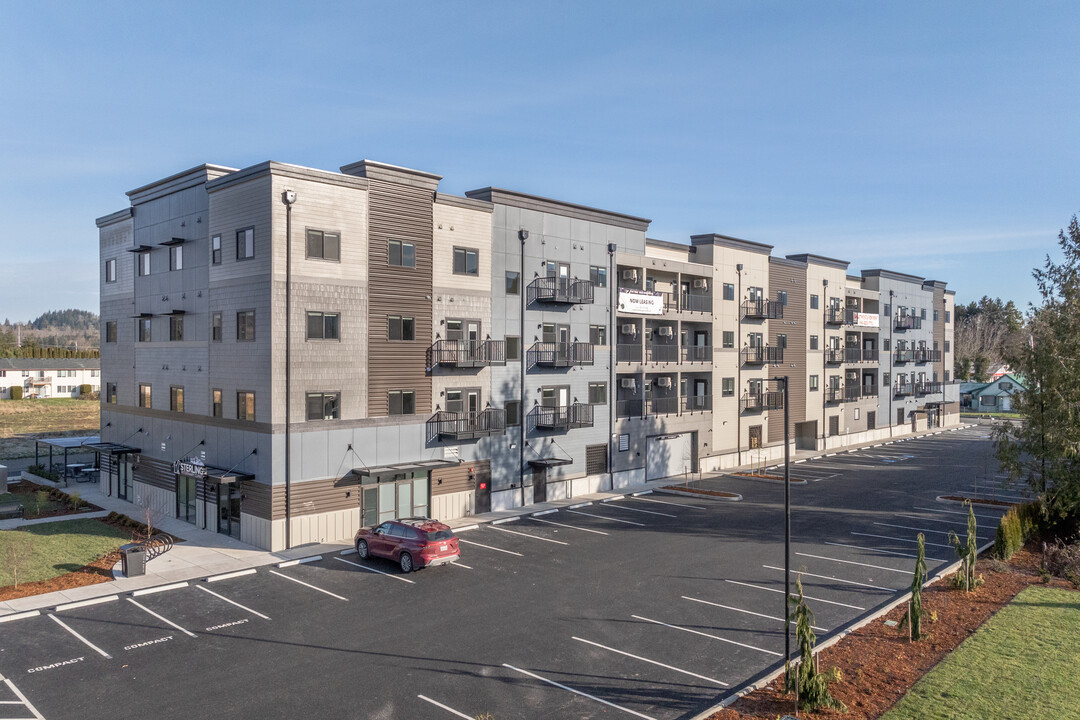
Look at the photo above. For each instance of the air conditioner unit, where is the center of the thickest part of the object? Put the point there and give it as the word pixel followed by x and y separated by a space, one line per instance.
pixel 629 275
pixel 666 331
pixel 701 283
pixel 629 329
pixel 628 383
pixel 664 382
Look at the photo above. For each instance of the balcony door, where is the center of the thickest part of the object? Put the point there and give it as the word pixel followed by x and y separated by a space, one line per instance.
pixel 560 271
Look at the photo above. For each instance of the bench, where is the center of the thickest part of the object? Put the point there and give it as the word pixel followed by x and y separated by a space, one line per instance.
pixel 11 510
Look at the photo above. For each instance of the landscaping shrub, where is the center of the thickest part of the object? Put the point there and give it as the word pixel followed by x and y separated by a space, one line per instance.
pixel 914 615
pixel 43 472
pixel 967 552
pixel 85 389
pixel 811 686
pixel 1063 560
pixel 16 393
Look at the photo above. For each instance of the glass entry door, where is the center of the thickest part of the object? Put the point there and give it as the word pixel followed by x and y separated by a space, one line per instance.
pixel 123 487
pixel 228 502
pixel 185 497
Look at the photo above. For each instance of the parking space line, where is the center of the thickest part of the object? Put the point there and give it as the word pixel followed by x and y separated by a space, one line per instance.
pixel 159 617
pixel 233 602
pixel 466 527
pixel 957 512
pixel 83 640
pixel 852 562
pixel 534 537
pixel 668 502
pixel 639 510
pixel 946 522
pixel 704 634
pixel 572 527
pixel 896 539
pixel 229 576
pixel 450 710
pixel 18 694
pixel 909 527
pixel 808 597
pixel 879 550
pixel 508 552
pixel 369 569
pixel 300 561
pixel 578 692
pixel 836 579
pixel 158 589
pixel 748 612
pixel 628 522
pixel 653 662
pixel 86 603
pixel 301 582
pixel 459 564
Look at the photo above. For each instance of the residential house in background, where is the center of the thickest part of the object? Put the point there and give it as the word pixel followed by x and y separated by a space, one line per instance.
pixel 49 377
pixel 995 396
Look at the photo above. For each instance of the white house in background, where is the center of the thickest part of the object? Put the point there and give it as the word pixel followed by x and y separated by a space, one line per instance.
pixel 48 377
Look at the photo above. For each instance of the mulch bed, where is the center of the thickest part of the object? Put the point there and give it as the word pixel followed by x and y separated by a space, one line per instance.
pixel 699 491
pixel 878 663
pixel 26 486
pixel 977 501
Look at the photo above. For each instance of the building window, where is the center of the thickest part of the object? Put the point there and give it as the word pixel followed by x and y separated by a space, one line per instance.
pixel 176 257
pixel 857 414
pixel 245 405
pixel 402 402
pixel 143 329
pixel 323 326
pixel 598 334
pixel 245 243
pixel 813 383
pixel 513 282
pixel 401 328
pixel 598 276
pixel 729 291
pixel 598 393
pixel 781 295
pixel 110 331
pixel 110 271
pixel 885 379
pixel 513 347
pixel 781 340
pixel 813 342
pixel 948 316
pixel 948 346
pixel 176 399
pixel 466 261
pixel 110 393
pixel 935 315
pixel 215 250
pixel 729 339
pixel 513 413
pixel 399 253
pixel 324 406
pixel 323 245
pixel 886 345
pixel 145 399
pixel 215 326
pixel 245 325
pixel 814 302
pixel 727 387
pixel 922 313
pixel 142 263
pixel 215 402
pixel 176 327
pixel 947 375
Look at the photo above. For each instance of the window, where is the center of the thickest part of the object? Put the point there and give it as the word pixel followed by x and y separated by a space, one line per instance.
pixel 323 326
pixel 401 328
pixel 466 261
pixel 813 342
pixel 948 316
pixel 885 379
pixel 857 413
pixel 781 295
pixel 215 250
pixel 215 402
pixel 947 375
pixel 110 271
pixel 323 406
pixel 402 402
pixel 813 383
pixel 245 405
pixel 400 253
pixel 948 346
pixel 513 282
pixel 455 402
pixel 176 399
pixel 813 302
pixel 598 334
pixel 176 257
pixel 922 313
pixel 110 393
pixel 245 325
pixel 245 243
pixel 598 393
pixel 935 315
pixel 513 348
pixel 145 399
pixel 176 327
pixel 886 345
pixel 215 326
pixel 781 340
pixel 323 245
pixel 513 413
pixel 143 329
pixel 110 331
pixel 729 338
pixel 887 311
pixel 598 276
pixel 142 263
pixel 727 387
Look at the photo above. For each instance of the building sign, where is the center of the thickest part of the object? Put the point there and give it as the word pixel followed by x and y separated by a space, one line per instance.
pixel 192 467
pixel 641 302
pixel 866 319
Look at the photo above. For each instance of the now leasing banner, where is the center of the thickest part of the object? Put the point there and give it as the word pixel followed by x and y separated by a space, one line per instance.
pixel 641 302
pixel 866 319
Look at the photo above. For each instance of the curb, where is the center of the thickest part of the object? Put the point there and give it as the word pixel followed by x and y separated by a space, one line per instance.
pixel 700 496
pixel 946 501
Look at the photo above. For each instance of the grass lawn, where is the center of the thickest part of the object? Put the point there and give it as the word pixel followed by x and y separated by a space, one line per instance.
pixel 31 504
pixel 51 549
pixel 1021 664
pixel 52 417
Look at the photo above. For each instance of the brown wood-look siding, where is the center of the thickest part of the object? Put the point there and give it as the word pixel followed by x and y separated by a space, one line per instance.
pixel 155 473
pixel 456 479
pixel 262 501
pixel 398 212
pixel 791 280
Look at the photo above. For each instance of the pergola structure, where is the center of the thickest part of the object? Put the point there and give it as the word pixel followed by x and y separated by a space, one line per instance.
pixel 63 443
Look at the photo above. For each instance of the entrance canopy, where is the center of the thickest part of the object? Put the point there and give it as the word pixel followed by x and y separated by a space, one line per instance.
pixel 109 448
pixel 546 462
pixel 402 468
pixel 222 476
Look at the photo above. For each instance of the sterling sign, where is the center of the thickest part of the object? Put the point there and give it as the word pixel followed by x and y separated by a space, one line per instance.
pixel 866 320
pixel 192 467
pixel 641 302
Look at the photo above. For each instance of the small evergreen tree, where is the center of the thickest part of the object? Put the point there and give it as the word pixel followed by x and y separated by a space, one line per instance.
pixel 913 617
pixel 967 552
pixel 810 685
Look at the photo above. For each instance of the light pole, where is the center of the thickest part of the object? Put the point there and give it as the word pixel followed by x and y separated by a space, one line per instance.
pixel 787 515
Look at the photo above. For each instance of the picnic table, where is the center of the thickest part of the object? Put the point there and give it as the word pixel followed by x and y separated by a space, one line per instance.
pixel 75 469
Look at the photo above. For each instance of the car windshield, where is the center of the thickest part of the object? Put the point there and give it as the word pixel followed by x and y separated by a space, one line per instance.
pixel 439 535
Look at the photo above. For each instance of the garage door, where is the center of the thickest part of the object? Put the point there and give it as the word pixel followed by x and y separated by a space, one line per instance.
pixel 669 455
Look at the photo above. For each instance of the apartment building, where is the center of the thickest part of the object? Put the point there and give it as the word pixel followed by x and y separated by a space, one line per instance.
pixel 290 354
pixel 49 377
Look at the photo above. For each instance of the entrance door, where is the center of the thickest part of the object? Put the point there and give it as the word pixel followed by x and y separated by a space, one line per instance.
pixel 123 488
pixel 871 420
pixel 228 502
pixel 560 271
pixel 482 492
pixel 900 416
pixel 186 497
pixel 539 481
pixel 755 437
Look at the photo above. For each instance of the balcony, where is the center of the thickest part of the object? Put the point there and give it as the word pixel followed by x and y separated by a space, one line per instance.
pixel 662 406
pixel 466 354
pixel 447 425
pixel 756 402
pixel 904 356
pixel 696 403
pixel 661 352
pixel 47 380
pixel 696 353
pixel 565 417
pixel 903 389
pixel 842 394
pixel 695 303
pixel 908 322
pixel 868 391
pixel 564 291
pixel 870 355
pixel 928 388
pixel 762 310
pixel 834 316
pixel 762 355
pixel 923 355
pixel 560 354
pixel 838 356
pixel 632 408
pixel 628 353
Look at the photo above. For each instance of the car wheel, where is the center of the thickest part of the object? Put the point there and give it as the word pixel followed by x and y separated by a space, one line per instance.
pixel 406 562
pixel 362 549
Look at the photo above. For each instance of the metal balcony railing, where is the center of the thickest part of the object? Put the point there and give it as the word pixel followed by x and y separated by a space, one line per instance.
pixel 870 355
pixel 696 353
pixel 662 352
pixel 762 309
pixel 560 354
pixel 696 403
pixel 756 402
pixel 834 356
pixel 928 388
pixel 908 322
pixel 903 389
pixel 564 417
pixel 904 356
pixel 834 316
pixel 868 391
pixel 762 355
pixel 466 354
pixel 924 355
pixel 447 425
pixel 690 302
pixel 569 291
pixel 628 353
pixel 662 406
pixel 633 408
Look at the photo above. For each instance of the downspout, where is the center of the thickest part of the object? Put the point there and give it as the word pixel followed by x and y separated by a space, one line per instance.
pixel 288 197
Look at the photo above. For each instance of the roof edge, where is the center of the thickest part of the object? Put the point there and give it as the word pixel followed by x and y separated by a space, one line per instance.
pixel 113 218
pixel 513 198
pixel 731 242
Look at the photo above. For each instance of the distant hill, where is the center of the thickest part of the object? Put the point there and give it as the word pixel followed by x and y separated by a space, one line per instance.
pixel 56 333
pixel 66 320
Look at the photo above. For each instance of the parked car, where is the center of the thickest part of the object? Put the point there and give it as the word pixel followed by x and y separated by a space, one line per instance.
pixel 410 542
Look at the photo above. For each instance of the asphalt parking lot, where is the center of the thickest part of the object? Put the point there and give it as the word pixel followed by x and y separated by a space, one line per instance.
pixel 654 606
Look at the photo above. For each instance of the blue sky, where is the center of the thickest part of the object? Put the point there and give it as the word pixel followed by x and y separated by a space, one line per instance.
pixel 933 138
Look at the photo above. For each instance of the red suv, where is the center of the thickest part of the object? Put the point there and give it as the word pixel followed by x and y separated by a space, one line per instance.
pixel 410 542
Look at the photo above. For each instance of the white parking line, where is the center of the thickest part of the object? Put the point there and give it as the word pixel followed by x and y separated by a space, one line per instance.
pixel 653 662
pixel 748 612
pixel 466 527
pixel 922 519
pixel 159 617
pixel 957 512
pixel 159 588
pixel 703 634
pixel 572 527
pixel 84 641
pixel 639 510
pixel 18 694
pixel 618 520
pixel 233 602
pixel 852 562
pixel 879 550
pixel 896 539
pixel 369 569
pixel 299 561
pixel 667 502
pixel 534 537
pixel 19 616
pixel 808 597
pixel 460 565
pixel 229 576
pixel 508 552
pixel 836 579
pixel 86 603
pixel 301 582
pixel 578 692
pixel 450 710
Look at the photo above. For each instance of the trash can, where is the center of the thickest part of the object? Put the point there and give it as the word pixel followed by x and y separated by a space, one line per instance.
pixel 134 559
